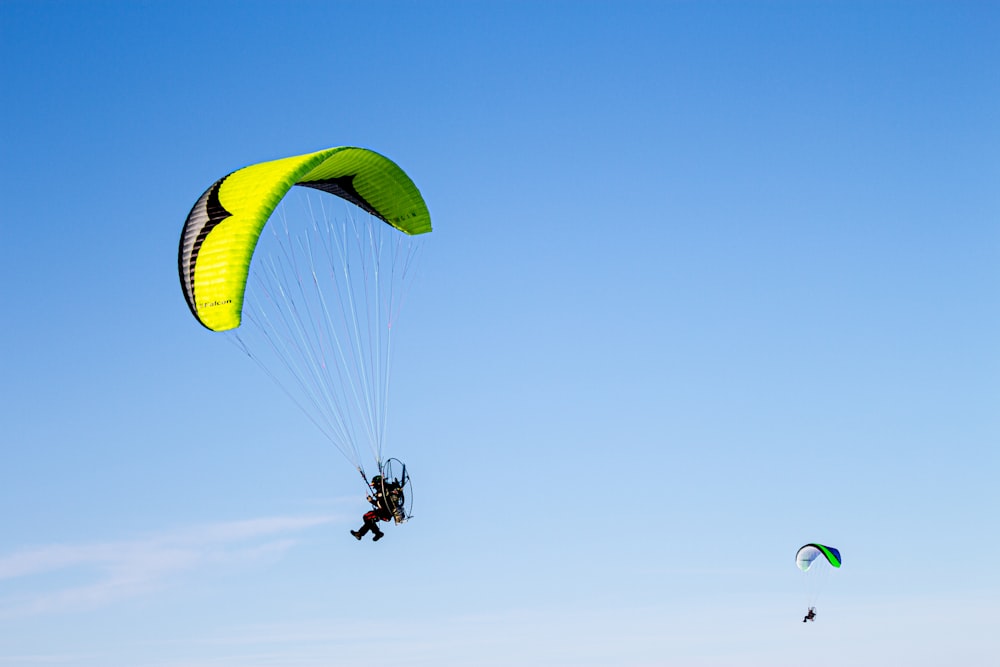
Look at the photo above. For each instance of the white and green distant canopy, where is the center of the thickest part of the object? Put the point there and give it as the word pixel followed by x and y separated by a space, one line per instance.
pixel 807 554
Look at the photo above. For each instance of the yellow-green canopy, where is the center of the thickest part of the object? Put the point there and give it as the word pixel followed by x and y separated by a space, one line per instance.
pixel 221 231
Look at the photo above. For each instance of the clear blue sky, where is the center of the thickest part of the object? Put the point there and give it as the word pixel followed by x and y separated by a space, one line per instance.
pixel 708 281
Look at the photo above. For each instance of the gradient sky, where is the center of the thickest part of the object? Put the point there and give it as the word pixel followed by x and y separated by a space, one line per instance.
pixel 708 281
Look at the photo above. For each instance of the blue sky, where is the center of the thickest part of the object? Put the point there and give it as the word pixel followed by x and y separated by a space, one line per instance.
pixel 708 281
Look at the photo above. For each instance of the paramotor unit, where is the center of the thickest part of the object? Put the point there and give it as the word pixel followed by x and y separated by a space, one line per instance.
pixel 393 484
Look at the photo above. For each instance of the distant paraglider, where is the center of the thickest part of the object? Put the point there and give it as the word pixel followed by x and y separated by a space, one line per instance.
pixel 314 300
pixel 815 561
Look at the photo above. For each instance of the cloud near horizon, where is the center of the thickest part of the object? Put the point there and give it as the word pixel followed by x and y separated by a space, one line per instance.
pixel 122 569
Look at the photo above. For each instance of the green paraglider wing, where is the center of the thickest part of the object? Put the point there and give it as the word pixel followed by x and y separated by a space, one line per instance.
pixel 810 552
pixel 223 227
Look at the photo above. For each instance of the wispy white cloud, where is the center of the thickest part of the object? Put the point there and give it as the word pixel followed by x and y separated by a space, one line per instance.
pixel 125 568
